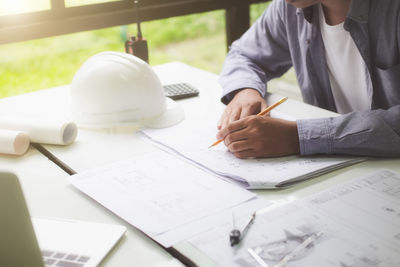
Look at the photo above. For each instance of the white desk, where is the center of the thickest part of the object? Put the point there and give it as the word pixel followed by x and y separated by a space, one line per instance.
pixel 49 194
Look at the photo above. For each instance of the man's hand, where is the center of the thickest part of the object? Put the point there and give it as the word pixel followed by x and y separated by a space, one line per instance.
pixel 246 102
pixel 261 136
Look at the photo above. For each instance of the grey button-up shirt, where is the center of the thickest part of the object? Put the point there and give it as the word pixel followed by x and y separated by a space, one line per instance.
pixel 285 36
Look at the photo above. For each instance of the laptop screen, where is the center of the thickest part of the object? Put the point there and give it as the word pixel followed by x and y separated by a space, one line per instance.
pixel 18 243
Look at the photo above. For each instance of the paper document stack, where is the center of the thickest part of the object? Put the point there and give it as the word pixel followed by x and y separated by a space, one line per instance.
pixel 165 197
pixel 353 224
pixel 191 139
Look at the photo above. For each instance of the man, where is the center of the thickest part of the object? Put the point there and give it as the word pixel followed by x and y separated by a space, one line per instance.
pixel 346 54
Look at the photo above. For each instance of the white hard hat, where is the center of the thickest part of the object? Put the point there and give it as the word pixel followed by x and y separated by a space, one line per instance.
pixel 113 89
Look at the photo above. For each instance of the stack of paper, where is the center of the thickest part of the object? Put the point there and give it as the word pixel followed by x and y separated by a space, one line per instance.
pixel 354 224
pixel 192 138
pixel 165 197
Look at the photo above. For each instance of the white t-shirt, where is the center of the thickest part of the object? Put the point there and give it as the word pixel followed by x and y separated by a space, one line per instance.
pixel 348 73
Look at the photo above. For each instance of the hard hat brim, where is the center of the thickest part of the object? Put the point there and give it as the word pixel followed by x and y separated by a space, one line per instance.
pixel 171 116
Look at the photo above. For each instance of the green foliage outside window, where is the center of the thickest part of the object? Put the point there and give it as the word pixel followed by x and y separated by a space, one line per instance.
pixel 49 62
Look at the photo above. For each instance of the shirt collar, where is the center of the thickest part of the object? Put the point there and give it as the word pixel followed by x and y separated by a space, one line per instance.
pixel 358 11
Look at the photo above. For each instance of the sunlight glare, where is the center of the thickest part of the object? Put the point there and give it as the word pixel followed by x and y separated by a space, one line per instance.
pixel 8 7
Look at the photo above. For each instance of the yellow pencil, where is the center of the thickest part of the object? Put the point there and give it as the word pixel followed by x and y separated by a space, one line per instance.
pixel 265 111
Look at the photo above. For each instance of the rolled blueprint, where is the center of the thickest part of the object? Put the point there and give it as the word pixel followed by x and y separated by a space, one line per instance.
pixel 43 131
pixel 13 142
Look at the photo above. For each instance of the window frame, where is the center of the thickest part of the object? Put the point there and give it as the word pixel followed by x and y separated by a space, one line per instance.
pixel 60 19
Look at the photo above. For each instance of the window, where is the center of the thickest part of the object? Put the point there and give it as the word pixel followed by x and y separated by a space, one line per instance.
pixel 11 7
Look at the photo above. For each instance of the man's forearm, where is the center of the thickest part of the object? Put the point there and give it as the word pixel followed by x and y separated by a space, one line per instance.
pixel 369 133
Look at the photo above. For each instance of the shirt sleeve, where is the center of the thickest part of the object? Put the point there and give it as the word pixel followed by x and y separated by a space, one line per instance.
pixel 367 133
pixel 260 55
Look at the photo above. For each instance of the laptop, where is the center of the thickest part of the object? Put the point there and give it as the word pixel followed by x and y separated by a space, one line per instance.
pixel 48 242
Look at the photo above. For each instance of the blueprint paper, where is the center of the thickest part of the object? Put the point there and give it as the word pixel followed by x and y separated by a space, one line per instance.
pixel 167 198
pixel 192 138
pixel 13 142
pixel 359 222
pixel 42 131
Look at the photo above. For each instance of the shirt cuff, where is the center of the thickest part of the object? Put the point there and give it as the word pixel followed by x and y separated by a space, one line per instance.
pixel 315 136
pixel 231 88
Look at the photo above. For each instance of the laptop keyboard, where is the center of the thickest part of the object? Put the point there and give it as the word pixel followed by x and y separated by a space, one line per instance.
pixel 61 259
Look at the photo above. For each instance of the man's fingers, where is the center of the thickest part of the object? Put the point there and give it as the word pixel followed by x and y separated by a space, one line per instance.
pixel 239 146
pixel 246 112
pixel 223 120
pixel 230 115
pixel 234 115
pixel 245 154
pixel 245 102
pixel 235 138
pixel 230 128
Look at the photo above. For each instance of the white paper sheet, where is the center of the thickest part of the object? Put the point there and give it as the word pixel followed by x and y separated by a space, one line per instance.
pixel 192 139
pixel 358 222
pixel 42 131
pixel 158 194
pixel 13 142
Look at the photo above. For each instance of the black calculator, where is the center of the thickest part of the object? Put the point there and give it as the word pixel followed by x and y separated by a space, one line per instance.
pixel 180 90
